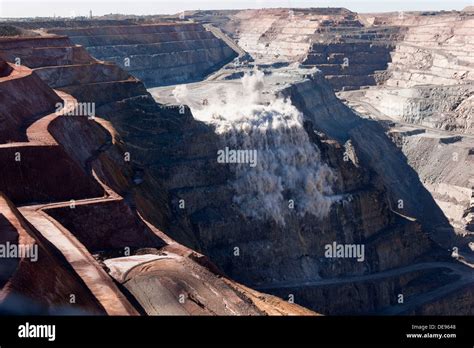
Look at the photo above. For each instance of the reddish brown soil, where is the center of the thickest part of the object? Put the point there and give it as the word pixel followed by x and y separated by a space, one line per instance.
pixel 106 225
pixel 63 159
pixel 49 281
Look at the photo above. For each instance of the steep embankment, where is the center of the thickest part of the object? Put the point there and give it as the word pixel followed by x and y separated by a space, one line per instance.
pixel 157 54
pixel 21 111
pixel 350 64
pixel 348 50
pixel 248 246
pixel 427 96
pixel 43 277
pixel 74 226
pixel 175 181
pixel 281 34
pixel 431 76
pixel 44 282
pixel 173 158
pixel 42 51
pixel 445 164
pixel 23 178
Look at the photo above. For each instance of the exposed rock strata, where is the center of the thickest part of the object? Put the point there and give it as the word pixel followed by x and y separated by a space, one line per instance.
pixel 45 285
pixel 156 54
pixel 428 86
pixel 96 150
pixel 173 158
pixel 365 217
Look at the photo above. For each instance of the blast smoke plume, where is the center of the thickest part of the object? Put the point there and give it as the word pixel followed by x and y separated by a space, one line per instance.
pixel 289 165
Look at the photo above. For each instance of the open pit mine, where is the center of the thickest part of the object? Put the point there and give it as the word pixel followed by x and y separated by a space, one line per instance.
pixel 281 161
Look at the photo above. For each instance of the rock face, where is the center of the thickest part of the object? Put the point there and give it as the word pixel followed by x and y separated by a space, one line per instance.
pixel 444 164
pixel 353 57
pixel 427 94
pixel 282 34
pixel 157 54
pixel 91 224
pixel 69 166
pixel 350 52
pixel 40 286
pixel 247 248
pixel 354 50
pixel 331 176
pixel 39 170
pixel 27 182
pixel 433 106
pixel 432 63
pixel 24 109
pixel 43 51
pixel 349 65
pixel 376 151
pixel 429 78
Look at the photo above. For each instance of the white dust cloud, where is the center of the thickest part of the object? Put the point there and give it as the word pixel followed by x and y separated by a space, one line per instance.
pixel 289 165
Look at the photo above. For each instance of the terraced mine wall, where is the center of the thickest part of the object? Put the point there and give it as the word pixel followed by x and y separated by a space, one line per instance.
pixel 439 107
pixel 22 179
pixel 281 34
pixel 91 224
pixel 430 77
pixel 43 51
pixel 55 143
pixel 42 287
pixel 428 95
pixel 347 49
pixel 173 158
pixel 23 110
pixel 363 215
pixel 376 151
pixel 92 73
pixel 350 65
pixel 188 146
pixel 157 54
pixel 34 170
pixel 62 64
pixel 410 284
pixel 446 167
pixel 164 144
